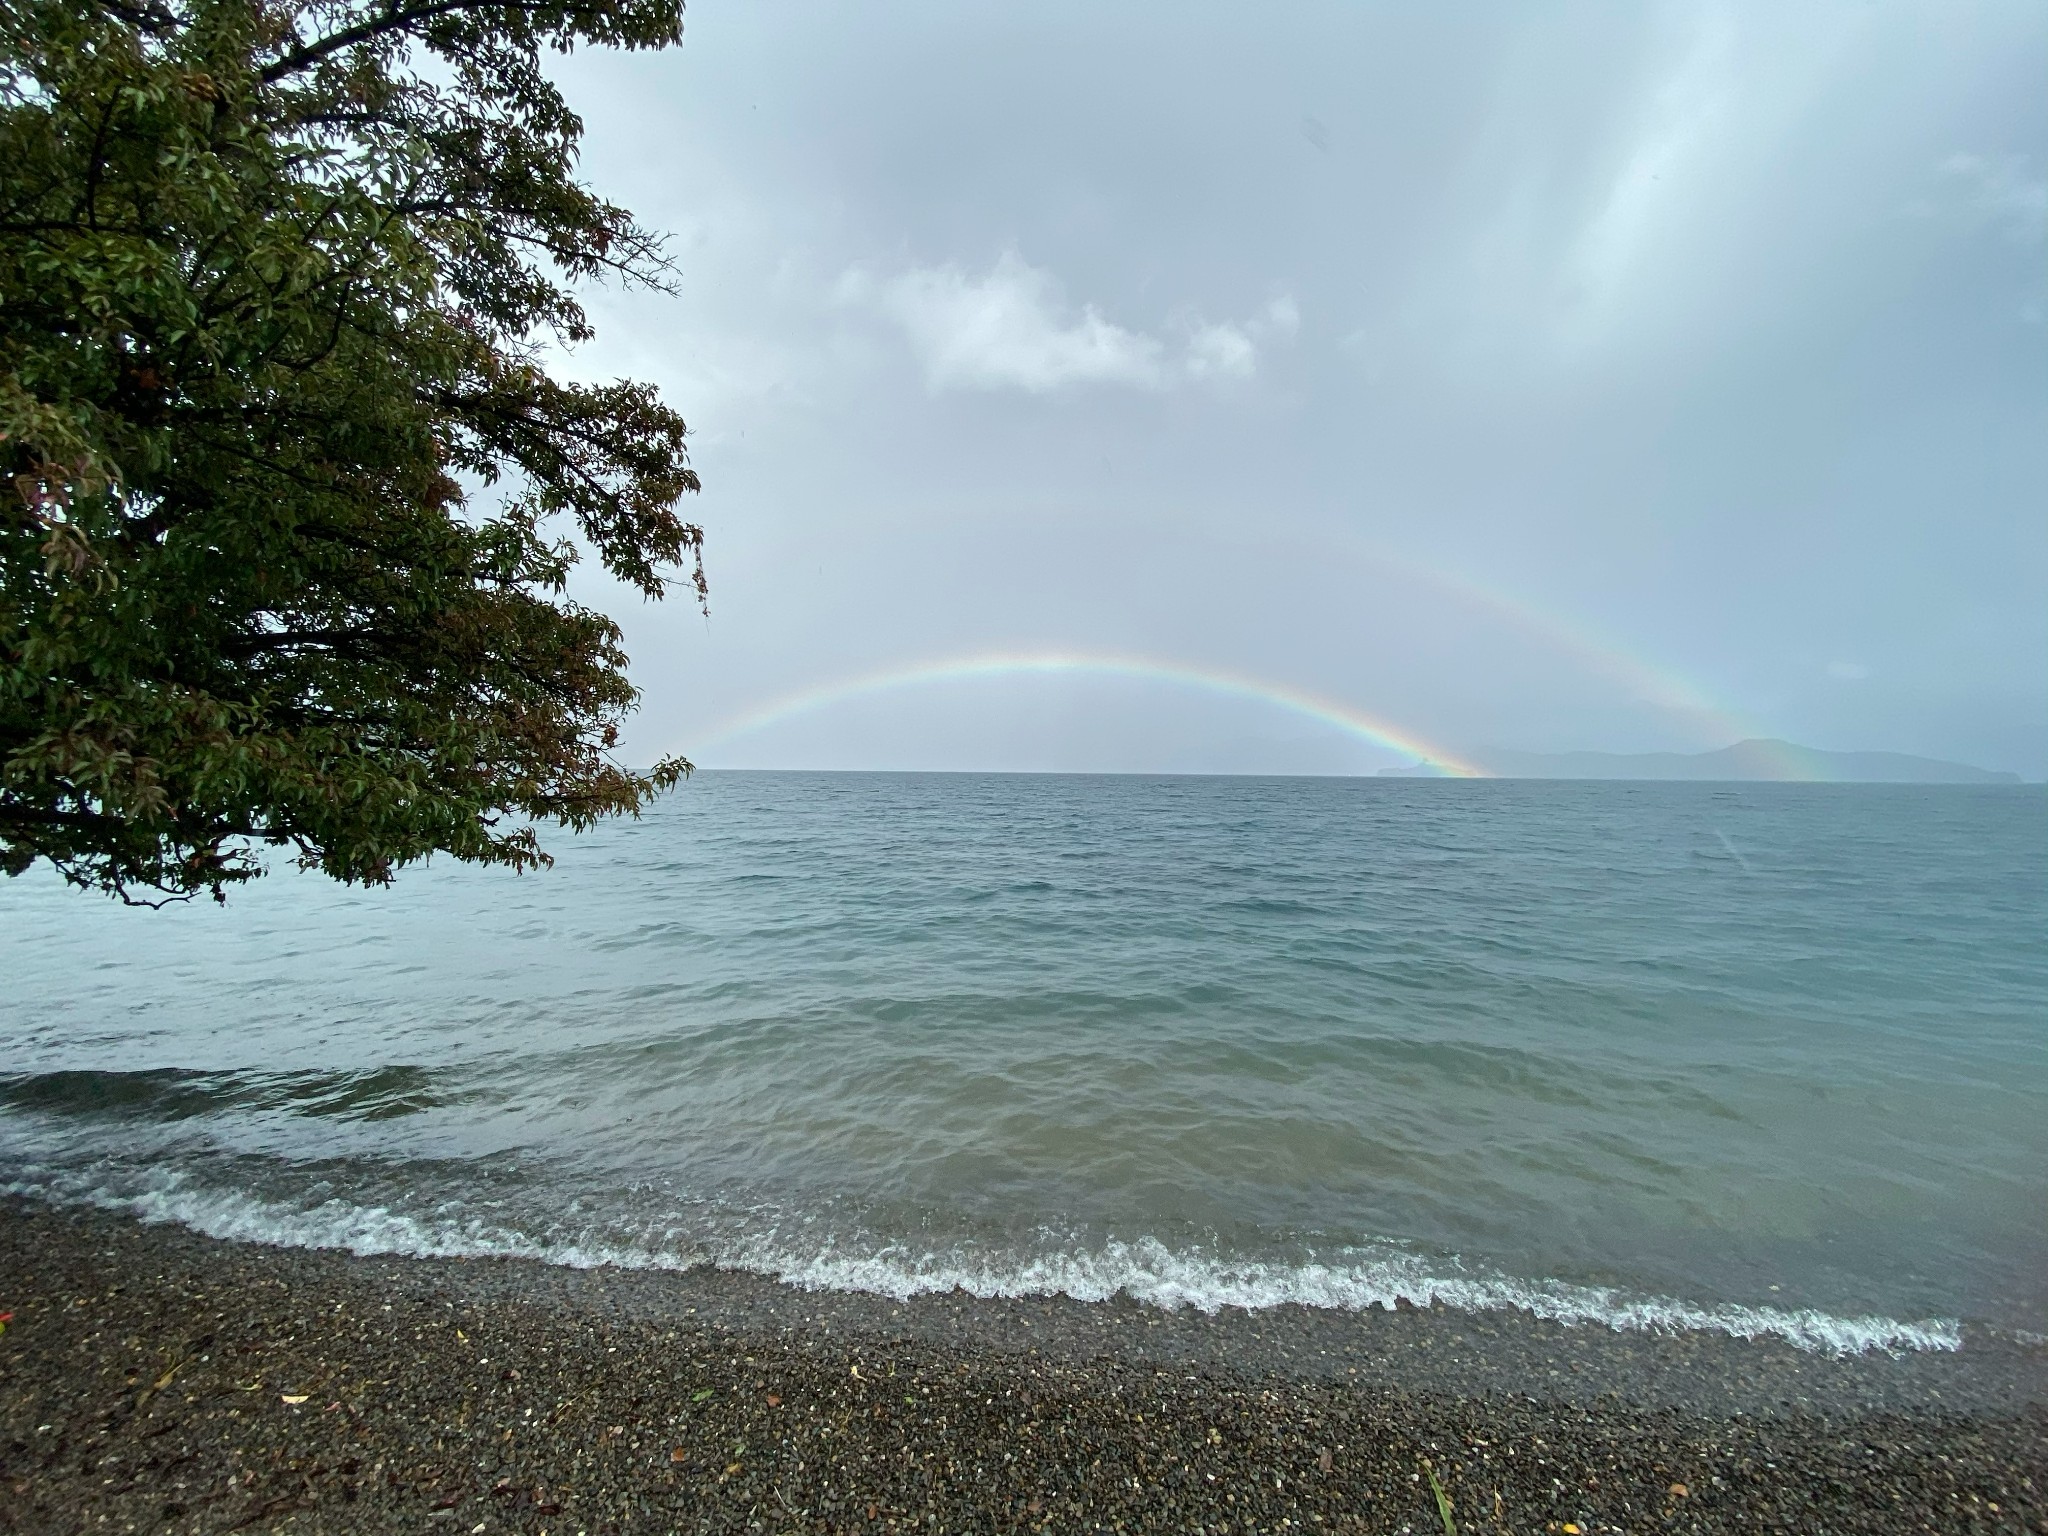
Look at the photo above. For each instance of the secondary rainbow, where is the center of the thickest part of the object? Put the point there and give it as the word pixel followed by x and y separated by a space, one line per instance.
pixel 1340 716
pixel 1627 665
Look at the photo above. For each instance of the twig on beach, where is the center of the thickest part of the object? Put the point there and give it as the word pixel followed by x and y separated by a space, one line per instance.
pixel 160 1383
pixel 269 1507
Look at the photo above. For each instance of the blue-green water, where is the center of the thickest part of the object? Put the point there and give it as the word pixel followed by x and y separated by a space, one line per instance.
pixel 1762 1058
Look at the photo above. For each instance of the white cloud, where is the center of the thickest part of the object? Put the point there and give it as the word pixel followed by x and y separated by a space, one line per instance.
pixel 1012 328
pixel 1221 352
pixel 1282 317
pixel 1232 351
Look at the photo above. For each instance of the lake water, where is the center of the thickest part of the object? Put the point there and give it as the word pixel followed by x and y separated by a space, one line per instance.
pixel 1768 1059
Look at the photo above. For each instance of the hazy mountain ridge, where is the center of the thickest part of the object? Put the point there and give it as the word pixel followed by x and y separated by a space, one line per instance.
pixel 1755 760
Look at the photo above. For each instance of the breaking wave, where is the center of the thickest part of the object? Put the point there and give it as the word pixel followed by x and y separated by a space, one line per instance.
pixel 1146 1270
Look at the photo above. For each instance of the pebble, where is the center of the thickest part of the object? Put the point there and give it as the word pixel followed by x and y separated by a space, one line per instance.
pixel 155 1380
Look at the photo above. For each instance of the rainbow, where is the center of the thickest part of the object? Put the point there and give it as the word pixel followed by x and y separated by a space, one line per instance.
pixel 1339 716
pixel 1712 725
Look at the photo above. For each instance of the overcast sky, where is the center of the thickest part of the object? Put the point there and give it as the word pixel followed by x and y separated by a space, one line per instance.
pixel 1623 377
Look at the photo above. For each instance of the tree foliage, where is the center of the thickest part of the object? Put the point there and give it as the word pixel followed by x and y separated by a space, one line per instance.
pixel 295 496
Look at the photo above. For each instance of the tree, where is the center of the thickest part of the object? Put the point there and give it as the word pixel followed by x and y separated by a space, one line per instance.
pixel 297 493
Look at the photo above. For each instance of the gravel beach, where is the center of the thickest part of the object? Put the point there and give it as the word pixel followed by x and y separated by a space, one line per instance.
pixel 156 1380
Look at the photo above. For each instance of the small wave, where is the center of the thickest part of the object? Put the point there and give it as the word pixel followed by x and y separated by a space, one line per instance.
pixel 1151 1272
pixel 171 1093
pixel 1147 1270
pixel 366 1231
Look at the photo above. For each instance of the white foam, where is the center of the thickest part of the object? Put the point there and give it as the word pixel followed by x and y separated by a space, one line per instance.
pixel 1149 1271
pixel 363 1230
pixel 1146 1270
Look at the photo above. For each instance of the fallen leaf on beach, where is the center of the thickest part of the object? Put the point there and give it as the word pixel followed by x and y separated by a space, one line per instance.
pixel 296 1397
pixel 678 1455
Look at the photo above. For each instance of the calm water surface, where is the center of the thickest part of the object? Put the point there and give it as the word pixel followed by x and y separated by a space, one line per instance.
pixel 1762 1058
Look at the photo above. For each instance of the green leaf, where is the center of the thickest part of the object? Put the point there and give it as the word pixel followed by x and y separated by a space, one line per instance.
pixel 251 366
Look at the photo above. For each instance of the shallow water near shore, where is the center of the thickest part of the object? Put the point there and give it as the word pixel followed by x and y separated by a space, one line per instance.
pixel 1762 1059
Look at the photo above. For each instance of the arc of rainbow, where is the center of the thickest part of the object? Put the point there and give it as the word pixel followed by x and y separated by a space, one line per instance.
pixel 1715 725
pixel 1331 712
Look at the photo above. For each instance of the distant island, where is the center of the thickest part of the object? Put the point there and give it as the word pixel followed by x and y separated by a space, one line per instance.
pixel 1747 760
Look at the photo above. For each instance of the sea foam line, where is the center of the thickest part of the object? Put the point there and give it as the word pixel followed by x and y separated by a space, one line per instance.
pixel 1147 1270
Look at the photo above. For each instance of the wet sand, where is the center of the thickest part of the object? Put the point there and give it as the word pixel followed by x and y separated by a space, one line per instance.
pixel 155 1380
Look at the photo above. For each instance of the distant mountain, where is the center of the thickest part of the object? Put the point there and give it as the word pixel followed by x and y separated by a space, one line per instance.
pixel 1748 760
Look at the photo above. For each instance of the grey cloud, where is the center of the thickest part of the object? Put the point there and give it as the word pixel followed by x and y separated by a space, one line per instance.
pixel 1603 326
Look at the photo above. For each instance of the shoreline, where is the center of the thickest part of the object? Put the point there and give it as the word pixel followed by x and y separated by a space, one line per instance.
pixel 156 1379
pixel 1146 1271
